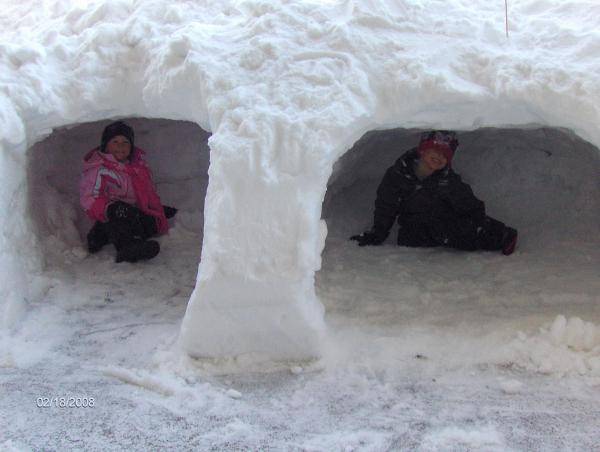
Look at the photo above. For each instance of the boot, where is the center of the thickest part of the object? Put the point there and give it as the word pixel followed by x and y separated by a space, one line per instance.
pixel 490 234
pixel 121 234
pixel 97 237
pixel 509 241
pixel 138 250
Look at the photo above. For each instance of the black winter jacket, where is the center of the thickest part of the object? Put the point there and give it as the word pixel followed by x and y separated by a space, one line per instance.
pixel 440 197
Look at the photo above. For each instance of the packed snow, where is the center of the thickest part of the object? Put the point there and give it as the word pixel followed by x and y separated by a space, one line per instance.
pixel 259 325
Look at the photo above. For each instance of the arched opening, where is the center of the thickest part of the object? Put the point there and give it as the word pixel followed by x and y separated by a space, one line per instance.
pixel 142 304
pixel 542 181
pixel 176 151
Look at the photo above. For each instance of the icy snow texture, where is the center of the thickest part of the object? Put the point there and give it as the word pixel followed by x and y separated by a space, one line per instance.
pixel 286 88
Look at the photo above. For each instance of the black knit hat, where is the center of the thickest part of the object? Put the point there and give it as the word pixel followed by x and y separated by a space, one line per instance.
pixel 114 129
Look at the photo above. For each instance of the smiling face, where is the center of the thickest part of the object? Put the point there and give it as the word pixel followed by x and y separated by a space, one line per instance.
pixel 119 147
pixel 433 159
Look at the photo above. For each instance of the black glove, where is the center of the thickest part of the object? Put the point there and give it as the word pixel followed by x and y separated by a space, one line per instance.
pixel 369 238
pixel 120 210
pixel 169 211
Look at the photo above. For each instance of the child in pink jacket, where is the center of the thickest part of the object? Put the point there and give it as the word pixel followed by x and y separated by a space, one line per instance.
pixel 117 191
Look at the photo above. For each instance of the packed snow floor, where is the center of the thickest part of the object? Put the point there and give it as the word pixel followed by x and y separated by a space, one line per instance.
pixel 429 349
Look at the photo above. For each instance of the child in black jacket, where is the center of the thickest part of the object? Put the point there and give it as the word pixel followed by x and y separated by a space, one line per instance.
pixel 433 205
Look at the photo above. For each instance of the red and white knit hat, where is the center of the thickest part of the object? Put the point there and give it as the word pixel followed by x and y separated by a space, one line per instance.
pixel 443 141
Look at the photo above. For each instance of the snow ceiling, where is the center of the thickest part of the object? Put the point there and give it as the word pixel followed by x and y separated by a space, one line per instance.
pixel 285 88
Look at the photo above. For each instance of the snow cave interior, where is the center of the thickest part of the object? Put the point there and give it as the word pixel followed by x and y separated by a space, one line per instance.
pixel 178 155
pixel 541 180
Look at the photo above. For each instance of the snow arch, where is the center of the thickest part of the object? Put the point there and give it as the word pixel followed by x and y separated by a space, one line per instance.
pixel 286 88
pixel 541 180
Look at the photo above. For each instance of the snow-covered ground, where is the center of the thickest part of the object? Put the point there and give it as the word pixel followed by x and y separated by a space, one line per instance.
pixel 427 348
pixel 424 353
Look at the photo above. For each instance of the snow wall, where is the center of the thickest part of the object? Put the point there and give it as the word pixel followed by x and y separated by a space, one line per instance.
pixel 285 88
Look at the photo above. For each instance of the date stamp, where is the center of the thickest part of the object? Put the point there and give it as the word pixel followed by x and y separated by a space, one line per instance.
pixel 65 402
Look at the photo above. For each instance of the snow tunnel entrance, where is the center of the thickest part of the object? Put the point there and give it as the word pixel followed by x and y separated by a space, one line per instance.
pixel 542 181
pixel 178 155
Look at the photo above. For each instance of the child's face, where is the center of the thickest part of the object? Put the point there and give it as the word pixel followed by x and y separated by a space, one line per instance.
pixel 119 147
pixel 434 159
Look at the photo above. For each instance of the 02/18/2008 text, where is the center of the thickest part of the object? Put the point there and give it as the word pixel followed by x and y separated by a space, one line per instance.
pixel 65 402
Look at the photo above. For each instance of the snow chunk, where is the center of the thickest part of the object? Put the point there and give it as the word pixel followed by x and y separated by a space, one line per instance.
pixel 142 379
pixel 511 386
pixel 565 347
pixel 575 333
pixel 234 394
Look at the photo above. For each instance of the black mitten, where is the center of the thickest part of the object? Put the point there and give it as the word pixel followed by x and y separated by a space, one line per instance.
pixel 369 238
pixel 169 211
pixel 120 210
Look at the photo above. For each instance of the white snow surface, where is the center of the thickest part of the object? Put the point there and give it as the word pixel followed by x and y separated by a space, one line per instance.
pixel 287 113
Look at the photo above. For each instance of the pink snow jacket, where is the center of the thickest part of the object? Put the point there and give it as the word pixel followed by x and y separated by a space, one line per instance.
pixel 105 180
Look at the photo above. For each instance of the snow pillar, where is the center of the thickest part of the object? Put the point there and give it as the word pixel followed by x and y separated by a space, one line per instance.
pixel 19 255
pixel 262 245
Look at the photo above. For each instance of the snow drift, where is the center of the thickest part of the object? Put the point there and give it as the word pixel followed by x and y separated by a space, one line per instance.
pixel 285 88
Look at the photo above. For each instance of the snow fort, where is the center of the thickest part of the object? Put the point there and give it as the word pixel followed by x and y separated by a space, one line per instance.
pixel 270 124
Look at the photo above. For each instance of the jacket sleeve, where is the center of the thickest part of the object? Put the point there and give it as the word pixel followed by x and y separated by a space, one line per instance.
pixel 92 194
pixel 390 193
pixel 463 201
pixel 147 197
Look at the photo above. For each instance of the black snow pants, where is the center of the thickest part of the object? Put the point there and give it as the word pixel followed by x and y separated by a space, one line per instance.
pixel 454 232
pixel 121 231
